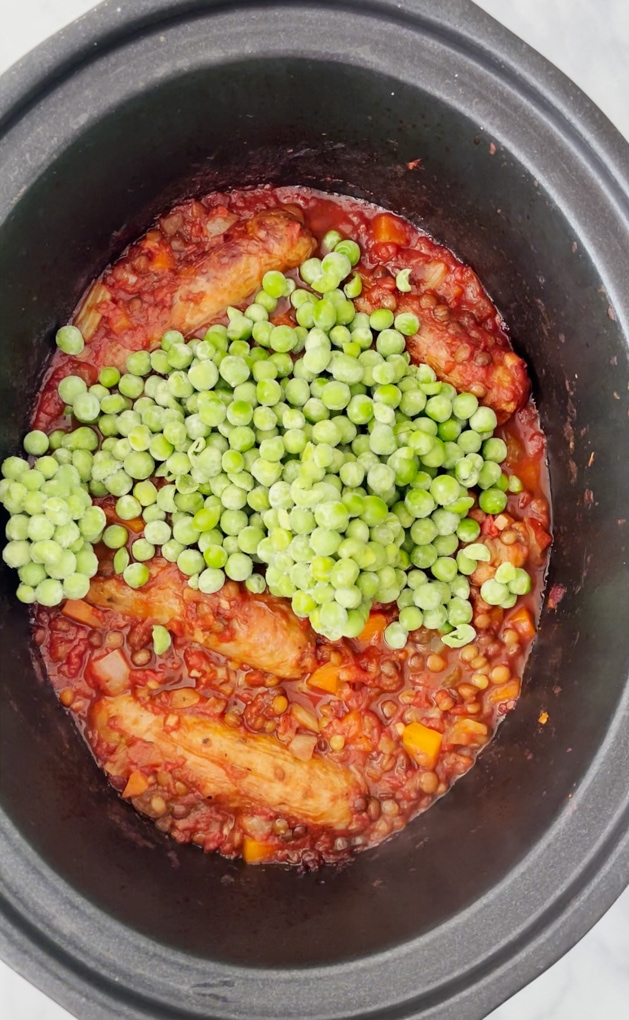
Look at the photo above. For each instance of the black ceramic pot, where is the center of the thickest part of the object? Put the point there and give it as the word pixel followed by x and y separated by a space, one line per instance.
pixel 104 126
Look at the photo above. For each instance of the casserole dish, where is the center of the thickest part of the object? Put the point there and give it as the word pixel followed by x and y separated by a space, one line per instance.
pixel 505 873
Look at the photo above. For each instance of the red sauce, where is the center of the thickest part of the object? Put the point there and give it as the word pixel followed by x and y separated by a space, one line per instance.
pixel 357 702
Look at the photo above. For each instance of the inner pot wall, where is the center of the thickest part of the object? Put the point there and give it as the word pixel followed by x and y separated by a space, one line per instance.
pixel 230 122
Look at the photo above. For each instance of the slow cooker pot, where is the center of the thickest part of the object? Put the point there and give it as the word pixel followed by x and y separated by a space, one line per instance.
pixel 437 113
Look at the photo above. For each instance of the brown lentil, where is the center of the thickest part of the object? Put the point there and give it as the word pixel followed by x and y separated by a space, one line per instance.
pixel 468 652
pixel 500 674
pixel 435 663
pixel 141 658
pixel 428 782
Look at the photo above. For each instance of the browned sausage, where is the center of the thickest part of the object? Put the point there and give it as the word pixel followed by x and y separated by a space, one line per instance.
pixel 155 287
pixel 257 630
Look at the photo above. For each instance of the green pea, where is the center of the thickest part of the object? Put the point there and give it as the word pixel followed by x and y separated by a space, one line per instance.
pixel 17 553
pixel 128 507
pixel 69 339
pixel 36 443
pixel 353 287
pixel 521 584
pixel 86 407
pixel 47 466
pixel 171 550
pixel 161 639
pixel 349 249
pixel 131 386
pixel 495 450
pixel 396 635
pixel 483 420
pixel 190 562
pixel 411 618
pixel 492 501
pixel 93 523
pixel 211 580
pixel 109 377
pixel 138 363
pixel 136 575
pixel 115 536
pixel 381 319
pixel 446 545
pixel 157 532
pixel 139 465
pixel 493 592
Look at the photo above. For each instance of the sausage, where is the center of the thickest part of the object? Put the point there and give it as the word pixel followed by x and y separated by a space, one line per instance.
pixel 255 630
pixel 492 372
pixel 230 767
pixel 461 335
pixel 156 286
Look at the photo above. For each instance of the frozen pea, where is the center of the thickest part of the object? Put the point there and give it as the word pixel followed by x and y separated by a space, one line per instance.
pixel 86 407
pixel 211 580
pixel 136 575
pixel 115 536
pixel 161 639
pixel 36 443
pixel 190 561
pixel 76 586
pixel 69 339
pixel 17 553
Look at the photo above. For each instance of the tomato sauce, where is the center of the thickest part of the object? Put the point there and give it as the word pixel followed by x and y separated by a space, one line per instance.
pixel 398 725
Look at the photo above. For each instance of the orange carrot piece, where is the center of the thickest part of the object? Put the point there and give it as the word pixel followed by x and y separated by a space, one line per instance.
pixel 389 229
pixel 505 692
pixel 374 627
pixel 325 678
pixel 82 612
pixel 253 851
pixel 137 783
pixel 466 732
pixel 522 621
pixel 162 259
pixel 135 524
pixel 422 743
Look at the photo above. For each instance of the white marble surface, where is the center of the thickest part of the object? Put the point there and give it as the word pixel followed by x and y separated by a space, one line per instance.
pixel 589 41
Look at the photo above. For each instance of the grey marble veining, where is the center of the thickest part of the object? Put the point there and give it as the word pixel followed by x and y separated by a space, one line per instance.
pixel 589 41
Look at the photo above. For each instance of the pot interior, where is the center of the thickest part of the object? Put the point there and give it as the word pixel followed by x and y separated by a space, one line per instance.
pixel 345 129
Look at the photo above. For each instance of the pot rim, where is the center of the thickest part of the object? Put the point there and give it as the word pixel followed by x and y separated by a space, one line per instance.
pixel 52 959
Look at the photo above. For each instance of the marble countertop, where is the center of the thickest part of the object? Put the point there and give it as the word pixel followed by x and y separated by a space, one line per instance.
pixel 589 42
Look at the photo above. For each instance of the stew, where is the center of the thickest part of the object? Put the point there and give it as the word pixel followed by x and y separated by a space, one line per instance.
pixel 283 519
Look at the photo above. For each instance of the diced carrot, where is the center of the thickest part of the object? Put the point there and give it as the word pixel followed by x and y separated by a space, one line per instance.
pixel 389 229
pixel 111 671
pixel 118 319
pixel 522 621
pixel 467 731
pixel 374 627
pixel 135 524
pixel 422 743
pixel 162 259
pixel 82 612
pixel 137 783
pixel 325 678
pixel 505 692
pixel 254 851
